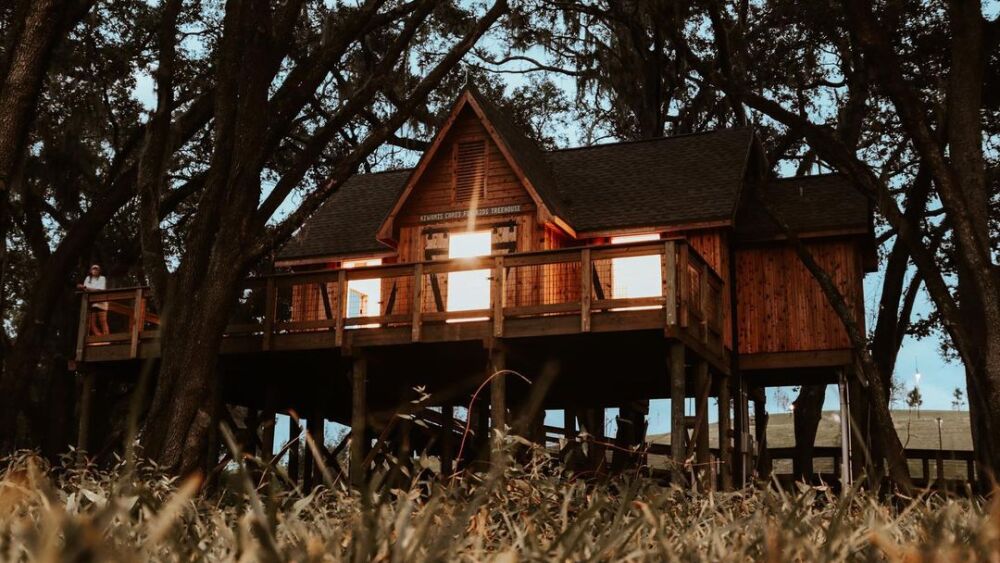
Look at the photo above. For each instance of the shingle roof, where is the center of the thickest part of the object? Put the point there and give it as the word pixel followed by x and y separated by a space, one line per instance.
pixel 667 181
pixel 347 222
pixel 818 203
pixel 660 182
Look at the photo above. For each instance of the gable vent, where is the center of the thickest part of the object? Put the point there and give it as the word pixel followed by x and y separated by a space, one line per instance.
pixel 470 170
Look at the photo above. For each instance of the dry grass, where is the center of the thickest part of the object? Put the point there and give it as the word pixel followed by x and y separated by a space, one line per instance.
pixel 529 512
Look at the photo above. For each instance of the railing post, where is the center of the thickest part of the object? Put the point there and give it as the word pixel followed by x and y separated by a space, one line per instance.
pixel 704 300
pixel 270 301
pixel 668 275
pixel 82 327
pixel 499 290
pixel 683 283
pixel 418 289
pixel 138 309
pixel 586 288
pixel 341 307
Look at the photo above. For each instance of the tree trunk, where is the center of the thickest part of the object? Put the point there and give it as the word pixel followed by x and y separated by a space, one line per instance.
pixel 806 418
pixel 183 409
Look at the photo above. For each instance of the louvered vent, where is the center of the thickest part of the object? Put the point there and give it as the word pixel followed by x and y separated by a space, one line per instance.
pixel 470 170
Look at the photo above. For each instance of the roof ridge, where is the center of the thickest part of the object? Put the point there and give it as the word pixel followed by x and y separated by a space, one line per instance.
pixel 654 139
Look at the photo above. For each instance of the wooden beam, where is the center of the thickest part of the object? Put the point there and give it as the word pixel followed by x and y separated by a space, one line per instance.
pixel 317 428
pixel 341 307
pixel 270 307
pixel 359 421
pixel 668 277
pixel 725 435
pixel 86 408
pixel 586 289
pixel 416 305
pixel 678 434
pixel 138 307
pixel 82 326
pixel 795 360
pixel 294 452
pixel 703 383
pixel 499 293
pixel 498 402
pixel 447 440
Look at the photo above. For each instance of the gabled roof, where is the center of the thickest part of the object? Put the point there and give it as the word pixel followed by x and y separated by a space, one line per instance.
pixel 686 180
pixel 662 182
pixel 820 203
pixel 522 154
pixel 346 223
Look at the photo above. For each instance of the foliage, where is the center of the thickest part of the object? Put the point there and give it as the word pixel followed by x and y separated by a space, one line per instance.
pixel 533 511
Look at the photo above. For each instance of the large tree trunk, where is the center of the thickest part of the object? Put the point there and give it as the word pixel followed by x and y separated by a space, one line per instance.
pixel 183 409
pixel 806 418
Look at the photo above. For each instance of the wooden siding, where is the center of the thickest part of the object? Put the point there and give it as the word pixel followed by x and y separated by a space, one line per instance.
pixel 713 246
pixel 781 307
pixel 435 191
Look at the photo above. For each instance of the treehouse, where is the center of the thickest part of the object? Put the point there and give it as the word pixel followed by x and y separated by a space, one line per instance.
pixel 603 275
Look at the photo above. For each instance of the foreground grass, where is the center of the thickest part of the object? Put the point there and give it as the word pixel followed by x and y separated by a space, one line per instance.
pixel 529 512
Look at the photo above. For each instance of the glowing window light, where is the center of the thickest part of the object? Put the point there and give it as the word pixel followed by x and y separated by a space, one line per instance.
pixel 364 297
pixel 469 290
pixel 636 276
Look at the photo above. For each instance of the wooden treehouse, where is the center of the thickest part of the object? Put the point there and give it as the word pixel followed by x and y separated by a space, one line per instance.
pixel 605 275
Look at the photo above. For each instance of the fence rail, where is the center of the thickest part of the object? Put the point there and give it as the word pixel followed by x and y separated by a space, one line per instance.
pixel 948 465
pixel 572 285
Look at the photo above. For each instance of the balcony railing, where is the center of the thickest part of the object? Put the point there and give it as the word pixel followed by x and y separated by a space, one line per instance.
pixel 564 290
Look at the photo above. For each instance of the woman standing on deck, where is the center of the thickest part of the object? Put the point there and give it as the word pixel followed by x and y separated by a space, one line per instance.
pixel 98 310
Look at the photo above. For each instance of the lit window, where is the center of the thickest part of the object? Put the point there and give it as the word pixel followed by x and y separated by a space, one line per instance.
pixel 636 276
pixel 469 290
pixel 364 297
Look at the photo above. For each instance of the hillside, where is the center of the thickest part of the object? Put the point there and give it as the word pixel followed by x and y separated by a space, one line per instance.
pixel 915 431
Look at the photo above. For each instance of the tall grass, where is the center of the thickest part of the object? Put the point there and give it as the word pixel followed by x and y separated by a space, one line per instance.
pixel 529 511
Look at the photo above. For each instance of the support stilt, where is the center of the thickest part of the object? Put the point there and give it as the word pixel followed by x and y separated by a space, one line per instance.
pixel 845 433
pixel 498 403
pixel 359 422
pixel 678 433
pixel 86 406
pixel 294 451
pixel 447 440
pixel 317 428
pixel 702 384
pixel 725 435
pixel 307 461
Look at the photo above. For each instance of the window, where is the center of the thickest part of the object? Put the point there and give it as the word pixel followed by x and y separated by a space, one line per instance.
pixel 469 290
pixel 470 171
pixel 364 297
pixel 636 276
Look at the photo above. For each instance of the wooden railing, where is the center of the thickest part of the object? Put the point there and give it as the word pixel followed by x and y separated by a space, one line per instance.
pixel 949 466
pixel 573 285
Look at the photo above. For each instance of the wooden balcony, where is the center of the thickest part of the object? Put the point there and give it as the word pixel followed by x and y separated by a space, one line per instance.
pixel 535 294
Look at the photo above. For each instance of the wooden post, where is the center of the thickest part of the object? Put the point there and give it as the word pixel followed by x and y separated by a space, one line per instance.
pixel 683 284
pixel 307 459
pixel 294 452
pixel 137 322
pixel 317 429
pixel 498 402
pixel 586 288
pixel 740 442
pixel 86 406
pixel 703 306
pixel 725 435
pixel 668 277
pixel 702 384
pixel 678 432
pixel 845 432
pixel 359 421
pixel 447 440
pixel 341 307
pixel 417 305
pixel 83 326
pixel 270 306
pixel 498 292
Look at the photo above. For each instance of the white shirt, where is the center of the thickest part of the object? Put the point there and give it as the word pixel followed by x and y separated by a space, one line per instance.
pixel 99 283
